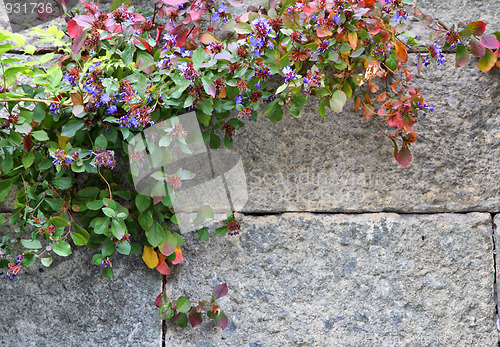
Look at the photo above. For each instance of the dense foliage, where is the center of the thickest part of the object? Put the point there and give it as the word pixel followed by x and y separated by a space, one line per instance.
pixel 66 126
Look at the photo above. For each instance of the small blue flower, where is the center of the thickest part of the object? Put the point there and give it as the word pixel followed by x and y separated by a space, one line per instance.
pixel 112 109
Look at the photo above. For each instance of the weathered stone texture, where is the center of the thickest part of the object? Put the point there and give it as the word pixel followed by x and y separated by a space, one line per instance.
pixel 344 280
pixel 341 164
pixel 72 304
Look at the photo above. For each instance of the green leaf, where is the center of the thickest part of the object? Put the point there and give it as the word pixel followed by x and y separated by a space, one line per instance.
pixel 95 205
pixel 321 109
pixel 97 259
pixel 168 244
pixel 108 248
pixel 40 135
pixel 31 244
pixel 146 220
pixel 155 234
pixel 59 222
pixel 337 101
pixel 28 260
pixel 101 141
pixel 118 228
pixel 70 128
pixel 63 183
pixel 78 239
pixel 203 234
pixel 198 57
pixel 274 111
pixel 181 320
pixel 243 28
pixel 61 248
pixel 142 202
pixel 117 3
pixel 221 231
pixel 5 188
pixel 214 141
pixel 166 312
pixel 183 304
pixel 101 225
pixel 108 272
pixel 128 54
pixel 28 159
pixel 46 261
pixel 109 212
pixel 391 63
pixel 38 116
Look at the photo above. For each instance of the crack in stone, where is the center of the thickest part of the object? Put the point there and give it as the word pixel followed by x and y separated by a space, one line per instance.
pixel 495 291
pixel 277 213
pixel 163 322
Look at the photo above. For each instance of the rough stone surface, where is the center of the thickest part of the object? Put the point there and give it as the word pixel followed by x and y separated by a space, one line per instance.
pixel 72 303
pixel 344 280
pixel 341 164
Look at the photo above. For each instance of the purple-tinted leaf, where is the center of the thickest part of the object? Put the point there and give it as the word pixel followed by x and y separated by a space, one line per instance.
pixel 221 320
pixel 462 57
pixel 223 55
pixel 220 290
pixel 477 48
pixel 194 317
pixel 159 300
pixel 404 157
pixel 490 42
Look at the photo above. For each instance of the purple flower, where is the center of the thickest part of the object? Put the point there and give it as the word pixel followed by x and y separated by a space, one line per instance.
pixel 54 108
pixel 104 158
pixel 105 98
pixel 289 73
pixel 112 109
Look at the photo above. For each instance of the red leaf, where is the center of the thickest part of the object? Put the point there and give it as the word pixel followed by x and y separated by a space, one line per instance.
pixel 197 9
pixel 74 30
pixel 369 3
pixel 490 42
pixel 63 59
pixel 477 49
pixel 401 52
pixel 404 157
pixel 162 265
pixel 367 112
pixel 159 300
pixel 181 32
pixel 159 30
pixel 178 256
pixel 194 317
pixel 144 42
pixel 323 33
pixel 220 291
pixel 27 142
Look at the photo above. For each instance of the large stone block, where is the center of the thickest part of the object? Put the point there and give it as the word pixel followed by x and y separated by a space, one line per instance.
pixel 341 164
pixel 344 280
pixel 71 303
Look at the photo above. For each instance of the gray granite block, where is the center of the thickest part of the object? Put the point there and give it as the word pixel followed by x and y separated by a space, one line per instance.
pixel 341 163
pixel 344 280
pixel 71 303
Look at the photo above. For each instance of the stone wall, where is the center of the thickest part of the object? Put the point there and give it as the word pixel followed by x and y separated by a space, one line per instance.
pixel 340 246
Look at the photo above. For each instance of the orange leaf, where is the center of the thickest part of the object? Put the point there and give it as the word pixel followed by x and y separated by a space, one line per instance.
pixel 150 257
pixel 372 87
pixel 404 157
pixel 77 99
pixel 381 97
pixel 394 85
pixel 162 265
pixel 367 112
pixel 208 38
pixel 369 3
pixel 357 103
pixel 401 52
pixel 178 256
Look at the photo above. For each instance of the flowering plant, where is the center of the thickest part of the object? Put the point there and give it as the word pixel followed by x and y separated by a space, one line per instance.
pixel 65 131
